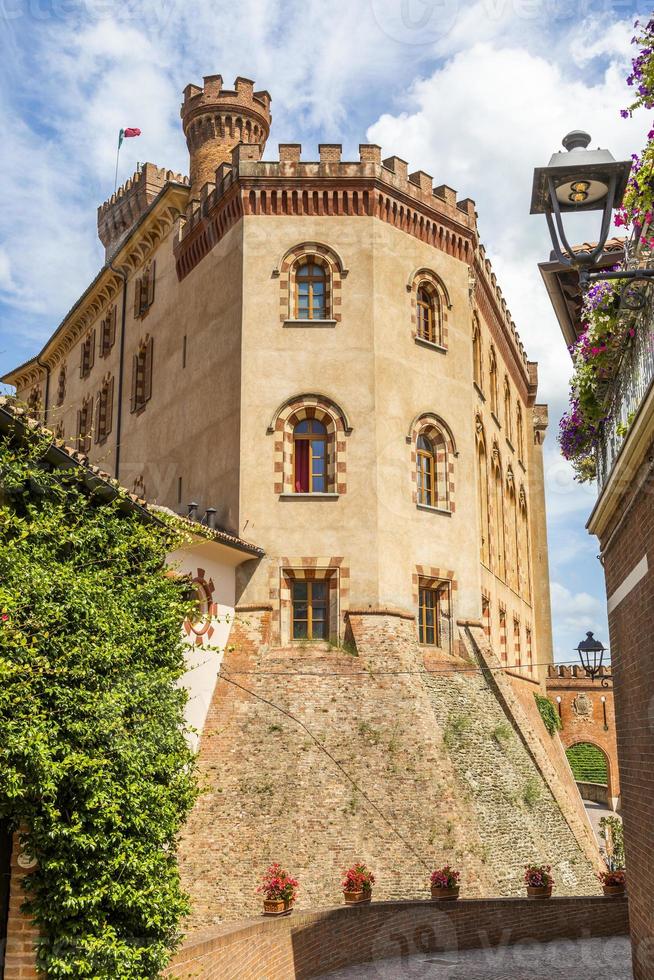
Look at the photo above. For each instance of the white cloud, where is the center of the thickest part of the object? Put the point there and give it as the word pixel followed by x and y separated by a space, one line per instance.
pixel 578 609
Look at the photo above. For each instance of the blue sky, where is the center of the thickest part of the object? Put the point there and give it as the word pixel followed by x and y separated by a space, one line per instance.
pixel 475 93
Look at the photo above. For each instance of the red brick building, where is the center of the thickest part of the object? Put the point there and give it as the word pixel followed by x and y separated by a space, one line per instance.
pixel 587 716
pixel 623 521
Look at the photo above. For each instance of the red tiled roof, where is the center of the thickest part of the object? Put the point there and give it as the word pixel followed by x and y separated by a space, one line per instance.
pixel 13 414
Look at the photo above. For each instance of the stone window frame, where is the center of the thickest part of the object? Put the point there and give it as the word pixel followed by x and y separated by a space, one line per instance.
pixel 425 276
pixel 104 408
pixel 433 426
pixel 286 417
pixel 61 385
pixel 285 571
pixel 85 425
pixel 431 577
pixel 318 254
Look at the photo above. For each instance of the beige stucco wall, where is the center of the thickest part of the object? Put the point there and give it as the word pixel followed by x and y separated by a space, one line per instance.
pixel 208 422
pixel 371 366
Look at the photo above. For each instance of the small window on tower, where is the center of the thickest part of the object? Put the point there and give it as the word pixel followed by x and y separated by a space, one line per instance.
pixel 429 314
pixel 310 292
pixel 310 457
pixel 310 610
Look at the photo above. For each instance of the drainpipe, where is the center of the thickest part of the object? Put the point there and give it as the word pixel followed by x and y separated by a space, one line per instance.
pixel 122 275
pixel 47 387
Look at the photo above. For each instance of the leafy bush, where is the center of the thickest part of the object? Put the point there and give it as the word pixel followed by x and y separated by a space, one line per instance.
pixel 548 713
pixel 96 769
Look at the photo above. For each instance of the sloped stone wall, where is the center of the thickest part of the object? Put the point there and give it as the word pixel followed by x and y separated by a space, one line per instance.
pixel 316 758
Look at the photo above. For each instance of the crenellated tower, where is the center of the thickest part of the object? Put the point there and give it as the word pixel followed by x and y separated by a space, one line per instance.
pixel 215 120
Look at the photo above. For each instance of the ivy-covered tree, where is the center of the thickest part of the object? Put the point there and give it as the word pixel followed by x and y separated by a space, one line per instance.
pixel 96 771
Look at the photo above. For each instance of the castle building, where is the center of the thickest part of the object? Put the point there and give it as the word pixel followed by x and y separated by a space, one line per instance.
pixel 316 357
pixel 321 351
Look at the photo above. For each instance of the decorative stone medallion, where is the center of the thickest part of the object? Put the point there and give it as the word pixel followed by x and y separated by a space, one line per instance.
pixel 583 706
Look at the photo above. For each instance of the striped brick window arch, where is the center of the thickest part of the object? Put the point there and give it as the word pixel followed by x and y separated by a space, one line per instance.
pixel 430 304
pixel 432 463
pixel 310 445
pixel 310 278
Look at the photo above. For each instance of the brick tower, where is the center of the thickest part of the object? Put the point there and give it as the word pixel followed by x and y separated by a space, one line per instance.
pixel 215 120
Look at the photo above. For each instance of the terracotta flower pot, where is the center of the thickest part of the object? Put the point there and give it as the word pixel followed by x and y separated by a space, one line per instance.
pixel 443 893
pixel 541 891
pixel 613 889
pixel 277 906
pixel 357 898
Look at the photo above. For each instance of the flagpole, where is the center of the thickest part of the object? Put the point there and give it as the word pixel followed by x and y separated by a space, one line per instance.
pixel 120 143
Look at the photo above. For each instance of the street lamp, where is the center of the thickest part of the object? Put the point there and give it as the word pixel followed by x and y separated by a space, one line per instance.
pixel 576 181
pixel 591 653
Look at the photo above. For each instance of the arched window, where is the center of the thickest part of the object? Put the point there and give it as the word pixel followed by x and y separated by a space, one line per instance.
pixel 310 457
pixel 519 433
pixel 525 550
pixel 493 381
pixel 310 291
pixel 476 353
pixel 482 492
pixel 431 469
pixel 428 310
pixel 498 522
pixel 512 546
pixel 508 417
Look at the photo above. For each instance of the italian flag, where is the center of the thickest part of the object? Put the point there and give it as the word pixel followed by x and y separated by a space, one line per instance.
pixel 127 134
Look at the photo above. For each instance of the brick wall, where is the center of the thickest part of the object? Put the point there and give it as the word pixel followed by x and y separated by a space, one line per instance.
pixel 631 628
pixel 309 944
pixel 592 720
pixel 422 769
pixel 21 934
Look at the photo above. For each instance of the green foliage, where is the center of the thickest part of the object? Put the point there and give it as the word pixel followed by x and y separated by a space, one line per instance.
pixel 531 792
pixel 457 725
pixel 612 833
pixel 502 733
pixel 588 763
pixel 96 769
pixel 548 713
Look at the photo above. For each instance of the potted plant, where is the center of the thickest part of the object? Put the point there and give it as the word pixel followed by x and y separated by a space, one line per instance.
pixel 445 883
pixel 613 882
pixel 538 880
pixel 357 884
pixel 279 890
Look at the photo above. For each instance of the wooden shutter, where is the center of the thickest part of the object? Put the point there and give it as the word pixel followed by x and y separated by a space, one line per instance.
pixel 147 371
pixel 109 407
pixel 82 351
pixel 79 428
pixel 137 298
pixel 135 374
pixel 98 416
pixel 151 273
pixel 91 348
pixel 112 327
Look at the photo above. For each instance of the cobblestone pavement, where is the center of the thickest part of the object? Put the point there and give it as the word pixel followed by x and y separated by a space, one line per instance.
pixel 583 959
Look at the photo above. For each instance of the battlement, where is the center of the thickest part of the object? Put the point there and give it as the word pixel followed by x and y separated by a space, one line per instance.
pixel 213 94
pixel 486 269
pixel 215 120
pixel 118 215
pixel 566 673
